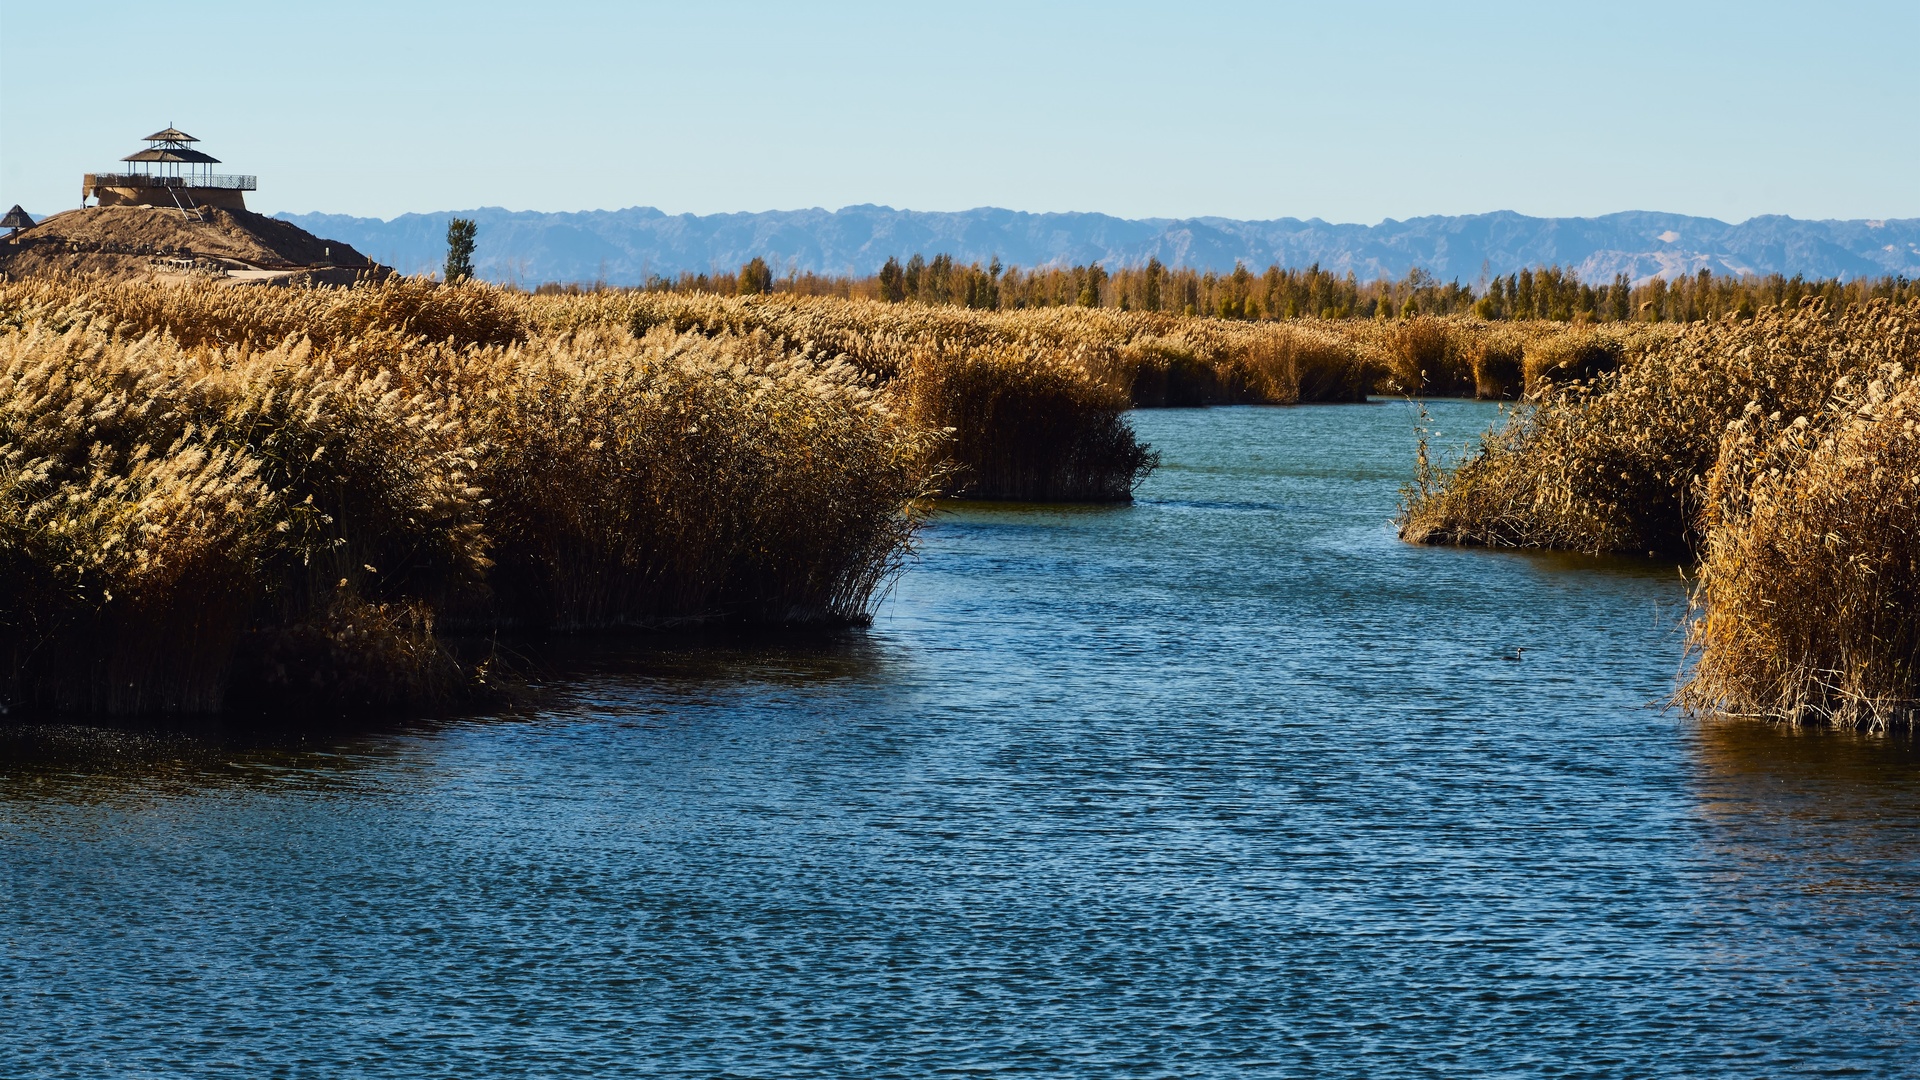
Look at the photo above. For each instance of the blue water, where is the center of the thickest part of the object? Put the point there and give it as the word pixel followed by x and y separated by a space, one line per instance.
pixel 1226 783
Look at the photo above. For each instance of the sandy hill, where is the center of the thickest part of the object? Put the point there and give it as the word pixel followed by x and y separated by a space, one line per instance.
pixel 141 240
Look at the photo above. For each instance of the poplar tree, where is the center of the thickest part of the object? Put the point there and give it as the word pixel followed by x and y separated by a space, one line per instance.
pixel 937 286
pixel 755 278
pixel 893 282
pixel 1090 291
pixel 916 270
pixel 1240 292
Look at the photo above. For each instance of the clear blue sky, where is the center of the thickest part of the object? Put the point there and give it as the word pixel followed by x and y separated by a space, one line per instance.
pixel 1349 112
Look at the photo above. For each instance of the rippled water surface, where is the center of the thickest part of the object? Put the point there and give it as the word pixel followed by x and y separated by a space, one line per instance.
pixel 1228 782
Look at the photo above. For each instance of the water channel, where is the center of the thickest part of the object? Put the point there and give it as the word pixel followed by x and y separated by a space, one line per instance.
pixel 1225 783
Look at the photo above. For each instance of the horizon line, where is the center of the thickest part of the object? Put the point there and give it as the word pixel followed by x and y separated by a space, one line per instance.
pixel 1871 222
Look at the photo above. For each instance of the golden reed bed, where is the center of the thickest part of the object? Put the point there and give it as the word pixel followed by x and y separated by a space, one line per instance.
pixel 219 497
pixel 1782 451
pixel 211 497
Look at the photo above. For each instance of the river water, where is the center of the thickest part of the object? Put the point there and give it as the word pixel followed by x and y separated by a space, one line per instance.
pixel 1225 783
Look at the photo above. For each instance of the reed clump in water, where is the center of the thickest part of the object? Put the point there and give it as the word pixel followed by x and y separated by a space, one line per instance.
pixel 1499 360
pixel 1025 423
pixel 1784 450
pixel 1031 409
pixel 1620 432
pixel 1070 372
pixel 1426 356
pixel 188 525
pixel 679 476
pixel 1187 362
pixel 1810 575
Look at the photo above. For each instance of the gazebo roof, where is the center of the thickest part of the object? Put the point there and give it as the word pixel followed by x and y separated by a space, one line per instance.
pixel 182 156
pixel 172 134
pixel 16 219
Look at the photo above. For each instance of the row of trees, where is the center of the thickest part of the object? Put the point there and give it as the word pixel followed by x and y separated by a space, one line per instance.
pixel 941 282
pixel 1277 294
pixel 1550 292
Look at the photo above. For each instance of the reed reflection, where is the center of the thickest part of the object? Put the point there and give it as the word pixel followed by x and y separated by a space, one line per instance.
pixel 1817 810
pixel 103 759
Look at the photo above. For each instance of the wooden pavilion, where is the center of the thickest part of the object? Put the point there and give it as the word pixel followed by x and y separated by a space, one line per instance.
pixel 169 173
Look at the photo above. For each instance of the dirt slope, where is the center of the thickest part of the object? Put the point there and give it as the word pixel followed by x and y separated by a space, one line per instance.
pixel 139 239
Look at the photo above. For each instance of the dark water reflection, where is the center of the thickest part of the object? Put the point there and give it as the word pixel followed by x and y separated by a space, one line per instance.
pixel 92 759
pixel 1228 782
pixel 1813 844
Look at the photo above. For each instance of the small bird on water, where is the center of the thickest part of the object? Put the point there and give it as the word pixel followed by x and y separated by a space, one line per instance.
pixel 1517 653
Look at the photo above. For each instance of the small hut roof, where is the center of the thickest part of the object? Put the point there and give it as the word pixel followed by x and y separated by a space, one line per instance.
pixel 172 134
pixel 182 155
pixel 16 219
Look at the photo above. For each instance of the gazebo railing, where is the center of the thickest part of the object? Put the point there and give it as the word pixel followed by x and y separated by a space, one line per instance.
pixel 146 180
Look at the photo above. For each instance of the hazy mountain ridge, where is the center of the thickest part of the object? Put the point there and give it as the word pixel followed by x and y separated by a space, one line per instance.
pixel 622 247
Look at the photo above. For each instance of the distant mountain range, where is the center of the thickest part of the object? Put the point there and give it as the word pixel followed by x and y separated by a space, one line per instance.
pixel 623 247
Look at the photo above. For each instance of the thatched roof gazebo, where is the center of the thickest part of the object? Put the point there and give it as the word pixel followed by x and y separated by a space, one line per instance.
pixel 169 172
pixel 16 220
pixel 169 150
